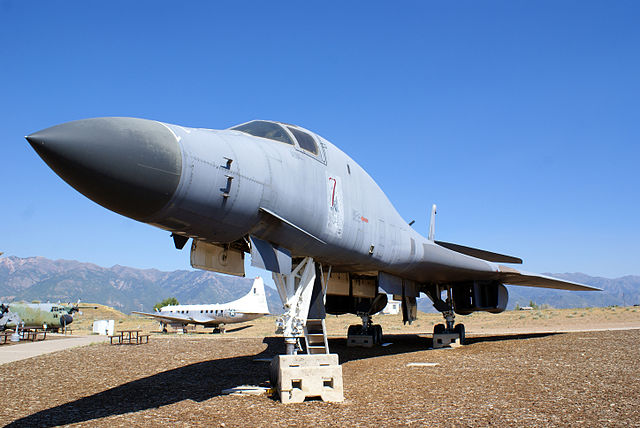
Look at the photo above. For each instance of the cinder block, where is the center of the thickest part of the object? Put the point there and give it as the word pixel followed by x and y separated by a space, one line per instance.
pixel 301 376
pixel 363 341
pixel 445 340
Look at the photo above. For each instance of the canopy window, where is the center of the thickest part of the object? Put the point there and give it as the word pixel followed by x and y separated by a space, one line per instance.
pixel 261 128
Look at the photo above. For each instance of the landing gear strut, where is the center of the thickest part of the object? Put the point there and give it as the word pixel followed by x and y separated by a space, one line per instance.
pixel 367 334
pixel 296 376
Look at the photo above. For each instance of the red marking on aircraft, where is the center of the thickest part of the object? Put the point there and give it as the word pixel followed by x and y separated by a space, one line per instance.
pixel 333 194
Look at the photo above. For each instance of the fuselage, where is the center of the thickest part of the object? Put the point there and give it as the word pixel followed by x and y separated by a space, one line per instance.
pixel 215 185
pixel 230 175
pixel 42 314
pixel 205 314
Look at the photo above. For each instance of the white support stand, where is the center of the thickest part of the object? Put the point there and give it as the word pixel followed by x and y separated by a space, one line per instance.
pixel 303 376
pixel 446 340
pixel 316 373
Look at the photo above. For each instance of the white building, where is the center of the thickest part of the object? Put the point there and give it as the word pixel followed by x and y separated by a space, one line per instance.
pixel 104 327
pixel 392 308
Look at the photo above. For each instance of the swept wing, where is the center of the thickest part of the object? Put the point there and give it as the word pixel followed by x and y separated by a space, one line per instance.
pixel 170 319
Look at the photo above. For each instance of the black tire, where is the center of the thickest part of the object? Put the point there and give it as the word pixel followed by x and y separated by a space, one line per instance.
pixel 459 329
pixel 354 330
pixel 379 334
pixel 439 329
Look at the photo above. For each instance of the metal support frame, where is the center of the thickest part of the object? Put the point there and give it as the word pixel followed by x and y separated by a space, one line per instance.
pixel 449 315
pixel 366 322
pixel 295 292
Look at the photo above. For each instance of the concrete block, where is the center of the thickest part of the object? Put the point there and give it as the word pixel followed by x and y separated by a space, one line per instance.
pixel 445 340
pixel 297 377
pixel 360 340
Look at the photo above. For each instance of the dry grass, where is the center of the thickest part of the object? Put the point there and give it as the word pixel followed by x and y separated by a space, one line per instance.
pixel 476 323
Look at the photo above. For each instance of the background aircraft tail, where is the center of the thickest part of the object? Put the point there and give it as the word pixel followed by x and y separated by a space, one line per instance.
pixel 255 301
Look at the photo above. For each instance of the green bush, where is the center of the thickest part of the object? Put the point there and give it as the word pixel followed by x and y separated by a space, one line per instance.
pixel 169 301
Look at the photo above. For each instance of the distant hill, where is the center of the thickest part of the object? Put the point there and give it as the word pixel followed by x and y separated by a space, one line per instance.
pixel 126 289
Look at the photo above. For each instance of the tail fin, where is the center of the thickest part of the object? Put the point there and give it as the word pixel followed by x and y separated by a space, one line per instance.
pixel 432 224
pixel 255 301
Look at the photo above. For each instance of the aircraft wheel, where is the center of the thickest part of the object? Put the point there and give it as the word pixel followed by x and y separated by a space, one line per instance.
pixel 164 329
pixel 378 330
pixel 459 329
pixel 439 329
pixel 354 330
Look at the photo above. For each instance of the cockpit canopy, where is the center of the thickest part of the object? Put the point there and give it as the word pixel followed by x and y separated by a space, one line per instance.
pixel 280 132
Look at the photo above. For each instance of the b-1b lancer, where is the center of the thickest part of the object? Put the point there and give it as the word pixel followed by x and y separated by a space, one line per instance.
pixel 249 307
pixel 299 205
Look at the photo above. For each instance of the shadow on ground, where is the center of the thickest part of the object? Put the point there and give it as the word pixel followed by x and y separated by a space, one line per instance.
pixel 204 380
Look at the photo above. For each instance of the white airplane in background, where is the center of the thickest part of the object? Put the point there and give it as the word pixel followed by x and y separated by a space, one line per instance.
pixel 249 307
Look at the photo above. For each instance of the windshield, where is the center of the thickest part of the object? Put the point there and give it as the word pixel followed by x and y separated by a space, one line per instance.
pixel 305 140
pixel 270 130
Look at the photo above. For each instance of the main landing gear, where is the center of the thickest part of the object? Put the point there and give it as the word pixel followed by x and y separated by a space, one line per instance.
pixel 442 331
pixel 449 333
pixel 366 334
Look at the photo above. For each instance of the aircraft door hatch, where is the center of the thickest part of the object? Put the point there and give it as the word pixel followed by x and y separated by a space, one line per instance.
pixel 216 258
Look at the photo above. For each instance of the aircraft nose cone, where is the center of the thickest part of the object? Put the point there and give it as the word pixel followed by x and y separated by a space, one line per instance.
pixel 130 166
pixel 65 319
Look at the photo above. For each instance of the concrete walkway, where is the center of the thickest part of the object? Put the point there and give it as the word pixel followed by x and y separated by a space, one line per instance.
pixel 21 351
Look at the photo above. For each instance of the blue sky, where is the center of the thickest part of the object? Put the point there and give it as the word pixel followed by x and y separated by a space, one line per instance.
pixel 520 119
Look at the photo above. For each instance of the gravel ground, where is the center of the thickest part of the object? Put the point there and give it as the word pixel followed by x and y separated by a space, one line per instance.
pixel 591 378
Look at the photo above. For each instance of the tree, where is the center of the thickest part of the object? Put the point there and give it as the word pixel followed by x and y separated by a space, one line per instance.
pixel 166 302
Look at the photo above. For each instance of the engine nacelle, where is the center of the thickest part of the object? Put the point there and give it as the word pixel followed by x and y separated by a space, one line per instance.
pixel 479 296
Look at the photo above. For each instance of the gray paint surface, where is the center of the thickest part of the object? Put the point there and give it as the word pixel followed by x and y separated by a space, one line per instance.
pixel 233 185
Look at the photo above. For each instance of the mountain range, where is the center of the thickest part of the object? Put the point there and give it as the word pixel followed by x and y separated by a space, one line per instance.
pixel 129 289
pixel 124 288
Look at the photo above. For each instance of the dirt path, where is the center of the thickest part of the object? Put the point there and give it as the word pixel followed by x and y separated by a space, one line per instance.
pixel 23 350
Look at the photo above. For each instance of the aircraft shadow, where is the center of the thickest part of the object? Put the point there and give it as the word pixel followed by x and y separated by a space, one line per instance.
pixel 406 343
pixel 231 330
pixel 204 380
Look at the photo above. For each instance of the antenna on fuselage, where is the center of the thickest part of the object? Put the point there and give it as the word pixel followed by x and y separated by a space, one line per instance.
pixel 432 224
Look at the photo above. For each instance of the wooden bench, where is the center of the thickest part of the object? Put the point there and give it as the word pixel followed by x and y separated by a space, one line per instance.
pixel 4 336
pixel 143 336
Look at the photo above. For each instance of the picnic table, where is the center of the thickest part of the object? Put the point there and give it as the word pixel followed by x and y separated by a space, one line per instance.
pixel 32 333
pixel 4 336
pixel 130 337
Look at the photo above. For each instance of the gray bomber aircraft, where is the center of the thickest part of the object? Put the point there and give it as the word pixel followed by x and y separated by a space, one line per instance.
pixel 299 205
